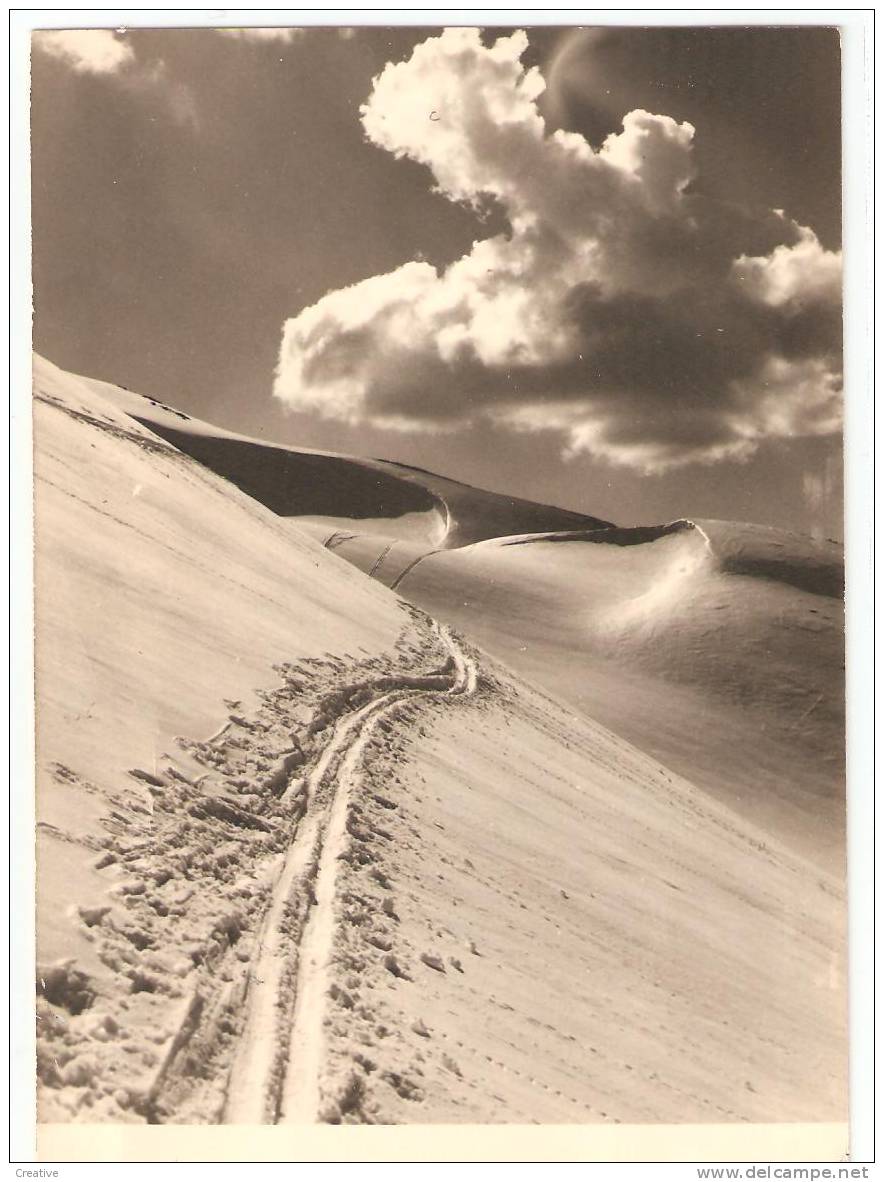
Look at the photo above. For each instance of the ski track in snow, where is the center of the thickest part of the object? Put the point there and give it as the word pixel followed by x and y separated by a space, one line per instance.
pixel 378 562
pixel 275 1075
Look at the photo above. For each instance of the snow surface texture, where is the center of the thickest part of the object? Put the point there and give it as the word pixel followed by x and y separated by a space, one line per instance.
pixel 306 855
pixel 716 647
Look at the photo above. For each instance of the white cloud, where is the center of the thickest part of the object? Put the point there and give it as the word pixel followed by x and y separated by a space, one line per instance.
pixel 801 273
pixel 620 310
pixel 787 398
pixel 154 83
pixel 286 36
pixel 99 51
pixel 88 51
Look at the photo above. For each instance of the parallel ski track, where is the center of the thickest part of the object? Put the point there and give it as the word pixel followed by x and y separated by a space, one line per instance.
pixel 275 1074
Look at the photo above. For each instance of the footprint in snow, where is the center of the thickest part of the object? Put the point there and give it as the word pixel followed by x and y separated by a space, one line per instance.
pixel 392 965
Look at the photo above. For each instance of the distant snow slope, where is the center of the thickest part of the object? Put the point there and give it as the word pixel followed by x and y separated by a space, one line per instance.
pixel 718 648
pixel 339 491
pixel 305 855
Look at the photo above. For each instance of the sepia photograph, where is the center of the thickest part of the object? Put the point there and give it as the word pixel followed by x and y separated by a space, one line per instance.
pixel 439 576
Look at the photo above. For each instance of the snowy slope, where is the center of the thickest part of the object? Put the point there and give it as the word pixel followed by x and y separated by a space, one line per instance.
pixel 718 648
pixel 164 600
pixel 305 855
pixel 578 935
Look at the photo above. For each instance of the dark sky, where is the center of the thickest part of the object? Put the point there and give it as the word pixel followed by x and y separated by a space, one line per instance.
pixel 188 203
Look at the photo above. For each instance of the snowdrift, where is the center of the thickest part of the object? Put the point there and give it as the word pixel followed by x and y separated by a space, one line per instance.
pixel 344 492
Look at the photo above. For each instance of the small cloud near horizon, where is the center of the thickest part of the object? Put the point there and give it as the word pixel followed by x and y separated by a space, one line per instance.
pixel 263 35
pixel 101 52
pixel 87 51
pixel 643 323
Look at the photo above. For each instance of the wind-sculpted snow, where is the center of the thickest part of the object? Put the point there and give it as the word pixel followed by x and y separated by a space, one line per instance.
pixel 634 535
pixel 378 496
pixel 302 484
pixel 737 549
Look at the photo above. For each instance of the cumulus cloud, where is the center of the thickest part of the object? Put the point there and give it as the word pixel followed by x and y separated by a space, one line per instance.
pixel 801 273
pixel 88 51
pixel 262 35
pixel 642 322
